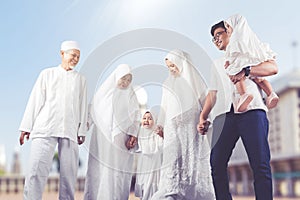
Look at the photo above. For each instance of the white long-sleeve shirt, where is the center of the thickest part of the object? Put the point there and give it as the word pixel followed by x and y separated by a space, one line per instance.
pixel 57 106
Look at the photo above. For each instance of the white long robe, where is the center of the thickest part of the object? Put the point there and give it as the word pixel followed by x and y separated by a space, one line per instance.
pixel 55 114
pixel 57 106
pixel 185 171
pixel 114 113
pixel 149 158
pixel 110 168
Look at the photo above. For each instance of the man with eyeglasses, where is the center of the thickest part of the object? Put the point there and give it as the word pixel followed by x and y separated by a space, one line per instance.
pixel 56 113
pixel 228 126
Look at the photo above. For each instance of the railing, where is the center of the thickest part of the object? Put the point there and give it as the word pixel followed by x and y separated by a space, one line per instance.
pixel 15 184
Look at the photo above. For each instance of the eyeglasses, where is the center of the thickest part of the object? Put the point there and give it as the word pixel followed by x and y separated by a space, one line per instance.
pixel 216 37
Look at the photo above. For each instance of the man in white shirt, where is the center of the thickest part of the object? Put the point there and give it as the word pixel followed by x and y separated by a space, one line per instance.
pixel 230 125
pixel 56 113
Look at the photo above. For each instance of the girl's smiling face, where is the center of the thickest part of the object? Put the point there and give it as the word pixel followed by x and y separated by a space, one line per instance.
pixel 147 121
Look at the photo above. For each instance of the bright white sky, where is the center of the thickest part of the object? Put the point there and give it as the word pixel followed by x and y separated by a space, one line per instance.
pixel 31 33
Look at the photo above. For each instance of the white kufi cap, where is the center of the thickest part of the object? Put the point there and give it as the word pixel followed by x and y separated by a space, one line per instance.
pixel 67 45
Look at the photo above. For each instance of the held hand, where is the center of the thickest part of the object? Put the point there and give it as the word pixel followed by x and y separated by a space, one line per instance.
pixel 203 126
pixel 24 134
pixel 80 139
pixel 131 142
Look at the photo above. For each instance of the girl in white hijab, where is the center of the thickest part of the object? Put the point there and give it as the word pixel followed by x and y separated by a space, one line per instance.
pixel 148 158
pixel 185 172
pixel 115 114
pixel 245 50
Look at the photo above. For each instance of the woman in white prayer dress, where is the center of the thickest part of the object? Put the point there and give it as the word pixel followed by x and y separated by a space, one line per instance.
pixel 185 172
pixel 114 112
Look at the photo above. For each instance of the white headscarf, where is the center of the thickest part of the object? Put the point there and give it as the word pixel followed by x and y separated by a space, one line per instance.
pixel 245 48
pixel 114 110
pixel 183 92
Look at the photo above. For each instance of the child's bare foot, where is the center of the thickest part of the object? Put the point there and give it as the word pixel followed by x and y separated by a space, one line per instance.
pixel 272 100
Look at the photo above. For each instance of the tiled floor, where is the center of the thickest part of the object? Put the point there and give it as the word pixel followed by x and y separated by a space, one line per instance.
pixel 79 196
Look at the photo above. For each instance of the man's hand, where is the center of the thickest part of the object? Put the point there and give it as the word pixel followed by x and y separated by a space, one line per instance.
pixel 239 76
pixel 22 136
pixel 131 142
pixel 203 126
pixel 80 139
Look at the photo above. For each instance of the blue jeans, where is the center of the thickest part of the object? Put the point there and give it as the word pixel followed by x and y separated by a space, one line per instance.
pixel 252 127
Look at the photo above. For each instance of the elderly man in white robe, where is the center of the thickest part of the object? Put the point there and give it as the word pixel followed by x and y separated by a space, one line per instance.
pixel 56 113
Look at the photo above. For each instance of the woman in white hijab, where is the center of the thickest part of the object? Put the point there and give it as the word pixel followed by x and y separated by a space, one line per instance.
pixel 115 114
pixel 148 157
pixel 185 172
pixel 243 51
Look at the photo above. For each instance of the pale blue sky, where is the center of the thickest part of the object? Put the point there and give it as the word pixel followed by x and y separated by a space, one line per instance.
pixel 31 33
